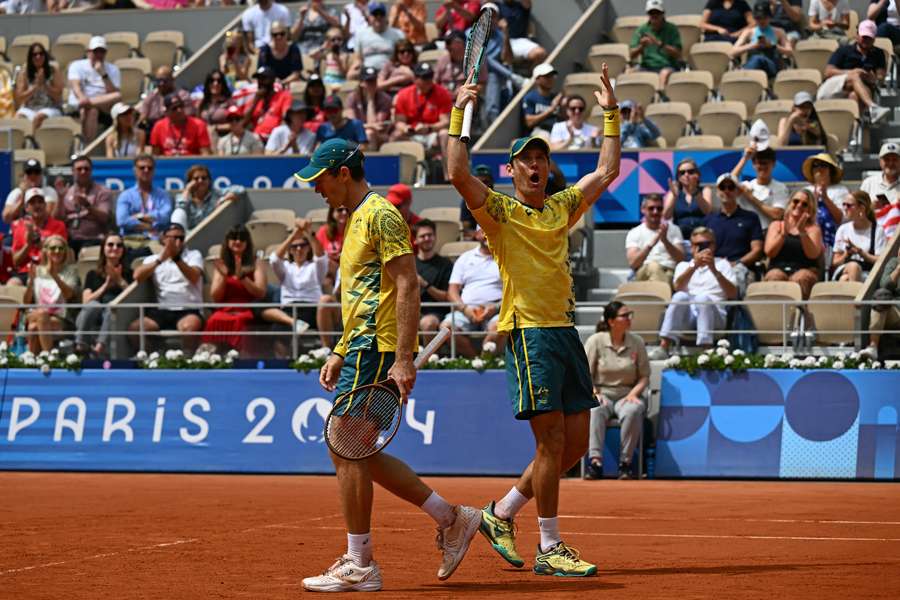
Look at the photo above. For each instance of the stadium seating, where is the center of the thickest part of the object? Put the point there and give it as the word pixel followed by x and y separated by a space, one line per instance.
pixel 770 320
pixel 814 53
pixel 446 220
pixel 59 138
pixel 163 48
pixel 68 47
pixel 412 160
pixel 647 317
pixel 724 119
pixel 135 76
pixel 839 117
pixel 318 217
pixel 790 81
pixel 452 250
pixel 712 57
pixel 121 44
pixel 281 215
pixel 615 56
pixel 20 130
pixel 689 30
pixel 771 112
pixel 671 118
pixel 693 87
pixel 18 50
pixel 624 28
pixel 88 259
pixel 699 142
pixel 584 85
pixel 833 321
pixel 746 85
pixel 639 86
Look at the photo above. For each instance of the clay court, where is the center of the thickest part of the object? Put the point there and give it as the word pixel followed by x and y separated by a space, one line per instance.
pixel 74 536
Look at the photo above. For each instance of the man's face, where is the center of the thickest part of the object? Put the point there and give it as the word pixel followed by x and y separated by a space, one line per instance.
pixel 546 81
pixel 37 208
pixel 82 170
pixel 425 239
pixel 98 55
pixel 143 171
pixel 652 211
pixel 175 237
pixel 297 120
pixel 890 165
pixel 236 124
pixel 424 84
pixel 333 187
pixel 865 42
pixel 379 21
pixel 333 115
pixel 165 83
pixel 763 167
pixel 656 19
pixel 530 170
pixel 728 191
pixel 702 242
pixel 176 113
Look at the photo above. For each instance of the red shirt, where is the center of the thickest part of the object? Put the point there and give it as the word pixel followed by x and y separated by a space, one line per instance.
pixel 457 22
pixel 180 141
pixel 266 119
pixel 423 109
pixel 20 234
pixel 332 247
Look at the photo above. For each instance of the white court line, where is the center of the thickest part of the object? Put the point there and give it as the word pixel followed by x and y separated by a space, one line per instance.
pixel 96 556
pixel 736 537
pixel 291 524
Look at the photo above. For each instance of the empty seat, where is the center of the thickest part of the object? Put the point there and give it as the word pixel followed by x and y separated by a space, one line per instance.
pixel 318 217
pixel 412 167
pixel 744 85
pixel 887 47
pixel 431 56
pixel 282 215
pixel 431 31
pixel 689 30
pixel 624 28
pixel 839 117
pixel 453 250
pixel 18 49
pixel 647 317
pixel 163 48
pixel 69 47
pixel 614 55
pixel 121 44
pixel 699 142
pixel 724 119
pixel 671 118
pixel 790 81
pixel 712 57
pixel 814 53
pixel 135 74
pixel 584 85
pixel 773 323
pixel 265 233
pixel 20 130
pixel 833 322
pixel 640 86
pixel 59 138
pixel 771 112
pixel 692 87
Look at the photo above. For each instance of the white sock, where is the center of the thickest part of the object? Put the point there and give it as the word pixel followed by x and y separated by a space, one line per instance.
pixel 359 548
pixel 510 504
pixel 439 510
pixel 549 532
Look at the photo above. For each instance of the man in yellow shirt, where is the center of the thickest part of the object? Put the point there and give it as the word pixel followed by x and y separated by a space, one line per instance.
pixel 547 370
pixel 380 304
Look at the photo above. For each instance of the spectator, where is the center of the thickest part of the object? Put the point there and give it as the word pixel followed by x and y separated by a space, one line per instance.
pixel 238 278
pixel 51 282
pixel 829 18
pixel 333 62
pixel 723 20
pixel 153 107
pixel 268 107
pixel 354 18
pixel 399 72
pixel 657 43
pixel 854 71
pixel 143 211
pixel 574 133
pixel 101 286
pixel 23 7
pixel 314 96
pixel 620 371
pixel 540 106
pixel 882 187
pixel 331 236
pixel 802 127
pixel 687 203
pixel 238 141
pixel 738 233
pixel 434 275
pixel 409 16
pixel 292 137
pixel 517 14
pixel 30 233
pixel 788 15
pixel 371 106
pixel 94 87
pixel 85 207
pixel 765 45
pixel 794 245
pixel 314 20
pixel 235 61
pixel 401 196
pixel 824 175
pixel 502 81
pixel 39 87
pixel 886 316
pixel 653 248
pixel 32 177
pixel 475 291
pixel 257 22
pixel 859 240
pixel 177 275
pixel 763 195
pixel 456 15
pixel 301 277
pixel 885 14
pixel 375 44
pixel 422 113
pixel 466 219
pixel 213 107
pixel 700 285
pixel 281 55
pixel 126 140
pixel 449 68
pixel 339 126
pixel 637 130
pixel 199 199
pixel 177 134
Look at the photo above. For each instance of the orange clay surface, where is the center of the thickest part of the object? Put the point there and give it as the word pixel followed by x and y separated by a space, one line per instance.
pixel 75 536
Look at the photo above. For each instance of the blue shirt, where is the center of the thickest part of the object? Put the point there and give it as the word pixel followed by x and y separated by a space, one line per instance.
pixel 734 233
pixel 159 206
pixel 352 130
pixel 534 103
pixel 639 135
pixel 516 16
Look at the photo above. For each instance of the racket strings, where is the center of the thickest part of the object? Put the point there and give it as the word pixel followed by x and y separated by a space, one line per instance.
pixel 477 40
pixel 364 423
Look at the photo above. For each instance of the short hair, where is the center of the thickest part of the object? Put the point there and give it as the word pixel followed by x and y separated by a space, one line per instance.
pixel 575 97
pixel 194 169
pixel 357 172
pixel 651 198
pixel 144 158
pixel 424 223
pixel 767 154
pixel 83 158
pixel 705 231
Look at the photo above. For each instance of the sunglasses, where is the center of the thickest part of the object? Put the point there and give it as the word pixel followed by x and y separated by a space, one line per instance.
pixel 342 210
pixel 336 39
pixel 299 246
pixel 216 80
pixel 627 315
pixel 654 209
pixel 576 108
pixel 727 187
pixel 115 245
pixel 56 248
pixel 145 168
pixel 848 205
pixel 798 202
pixel 820 165
pixel 199 178
pixel 39 53
pixel 278 34
pixel 687 172
pixel 177 238
pixel 405 51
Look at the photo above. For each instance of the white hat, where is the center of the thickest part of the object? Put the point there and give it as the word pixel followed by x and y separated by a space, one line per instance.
pixel 120 108
pixel 34 192
pixel 491 6
pixel 759 135
pixel 654 5
pixel 98 41
pixel 725 177
pixel 542 69
pixel 889 148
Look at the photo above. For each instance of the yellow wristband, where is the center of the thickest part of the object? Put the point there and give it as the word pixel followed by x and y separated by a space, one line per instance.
pixel 456 121
pixel 611 122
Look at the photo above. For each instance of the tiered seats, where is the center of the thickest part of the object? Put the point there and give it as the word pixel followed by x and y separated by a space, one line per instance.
pixel 18 50
pixel 768 321
pixel 59 138
pixel 790 81
pixel 121 44
pixel 832 319
pixel 163 48
pixel 671 118
pixel 135 76
pixel 68 47
pixel 446 221
pixel 771 112
pixel 689 30
pixel 814 53
pixel 839 117
pixel 693 87
pixel 712 57
pixel 624 28
pixel 615 56
pixel 647 318
pixel 746 86
pixel 584 85
pixel 639 86
pixel 20 129
pixel 453 250
pixel 724 119
pixel 699 142
pixel 317 217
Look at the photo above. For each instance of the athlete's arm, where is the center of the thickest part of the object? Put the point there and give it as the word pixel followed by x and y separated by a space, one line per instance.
pixel 593 184
pixel 469 187
pixel 402 269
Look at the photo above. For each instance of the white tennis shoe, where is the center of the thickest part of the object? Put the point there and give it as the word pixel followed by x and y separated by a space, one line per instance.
pixel 346 576
pixel 454 541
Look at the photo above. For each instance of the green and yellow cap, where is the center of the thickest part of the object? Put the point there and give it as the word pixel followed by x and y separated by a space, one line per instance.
pixel 519 145
pixel 334 153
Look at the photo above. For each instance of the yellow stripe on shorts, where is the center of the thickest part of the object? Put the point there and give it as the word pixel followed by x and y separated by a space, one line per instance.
pixel 355 378
pixel 528 369
pixel 380 365
pixel 512 345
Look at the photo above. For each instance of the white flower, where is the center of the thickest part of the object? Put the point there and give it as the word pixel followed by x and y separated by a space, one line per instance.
pixel 3 361
pixel 232 354
pixel 770 360
pixel 215 359
pixel 477 364
pixel 723 344
pixel 703 359
pixel 795 363
pixel 171 354
pixel 501 363
pixel 54 353
pixel 809 361
pixel 202 357
pixel 869 351
pixel 141 356
pixel 862 367
pixel 841 356
pixel 72 359
pixel 876 364
pixel 28 359
pixel 729 360
pixel 45 369
pixel 854 356
pixel 304 359
pixel 443 360
pixel 672 362
pixel 229 361
pixel 3 347
pixel 787 357
pixel 322 352
pixel 154 356
pixel 710 352
pixel 489 347
pixel 738 352
pixel 838 364
pixel 722 351
pixel 153 364
pixel 823 360
pixel 434 358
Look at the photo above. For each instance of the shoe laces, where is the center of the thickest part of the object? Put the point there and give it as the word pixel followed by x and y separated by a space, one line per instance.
pixel 569 552
pixel 337 565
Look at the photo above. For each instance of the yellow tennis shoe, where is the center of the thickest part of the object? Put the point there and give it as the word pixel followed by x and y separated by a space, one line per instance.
pixel 501 535
pixel 562 561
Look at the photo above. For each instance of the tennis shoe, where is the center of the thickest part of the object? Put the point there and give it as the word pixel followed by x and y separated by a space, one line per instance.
pixel 562 561
pixel 501 535
pixel 346 576
pixel 454 541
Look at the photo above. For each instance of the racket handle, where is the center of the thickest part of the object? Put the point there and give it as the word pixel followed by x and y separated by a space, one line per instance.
pixel 466 133
pixel 432 347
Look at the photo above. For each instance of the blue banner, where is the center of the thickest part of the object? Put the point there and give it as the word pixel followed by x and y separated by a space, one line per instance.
pixel 243 421
pixel 257 172
pixel 649 172
pixel 780 424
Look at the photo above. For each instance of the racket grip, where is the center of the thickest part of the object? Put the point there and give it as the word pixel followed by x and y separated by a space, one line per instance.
pixel 468 113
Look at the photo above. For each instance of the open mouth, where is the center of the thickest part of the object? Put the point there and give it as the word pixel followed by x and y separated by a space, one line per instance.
pixel 535 178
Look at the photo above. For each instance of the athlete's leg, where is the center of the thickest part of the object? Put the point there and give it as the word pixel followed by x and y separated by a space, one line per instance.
pixel 549 430
pixel 395 476
pixel 355 488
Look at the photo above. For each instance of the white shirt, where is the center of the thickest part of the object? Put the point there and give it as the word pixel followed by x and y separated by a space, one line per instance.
pixel 774 194
pixel 836 192
pixel 24 7
pixel 376 48
pixel 641 236
pixel 278 139
pixel 479 276
pixel 358 20
pixel 231 146
pixel 704 283
pixel 300 283
pixel 875 185
pixel 861 238
pixel 173 290
pixel 91 81
pixel 583 137
pixel 259 21
pixel 816 8
pixel 50 197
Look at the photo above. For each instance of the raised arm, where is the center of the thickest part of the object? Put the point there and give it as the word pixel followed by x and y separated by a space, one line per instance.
pixel 593 184
pixel 473 191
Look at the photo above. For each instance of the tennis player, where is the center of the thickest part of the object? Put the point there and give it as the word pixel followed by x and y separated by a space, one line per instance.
pixel 548 379
pixel 380 304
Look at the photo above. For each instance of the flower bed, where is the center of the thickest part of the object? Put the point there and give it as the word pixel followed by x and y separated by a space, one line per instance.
pixel 314 360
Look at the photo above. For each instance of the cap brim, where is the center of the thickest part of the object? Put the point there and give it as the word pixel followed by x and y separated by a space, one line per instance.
pixel 532 140
pixel 309 173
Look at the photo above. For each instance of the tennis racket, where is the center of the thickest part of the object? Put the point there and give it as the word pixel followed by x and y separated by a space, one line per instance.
pixel 475 48
pixel 364 420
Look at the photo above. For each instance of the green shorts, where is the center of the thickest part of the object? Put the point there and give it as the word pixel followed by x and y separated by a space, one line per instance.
pixel 362 367
pixel 547 370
